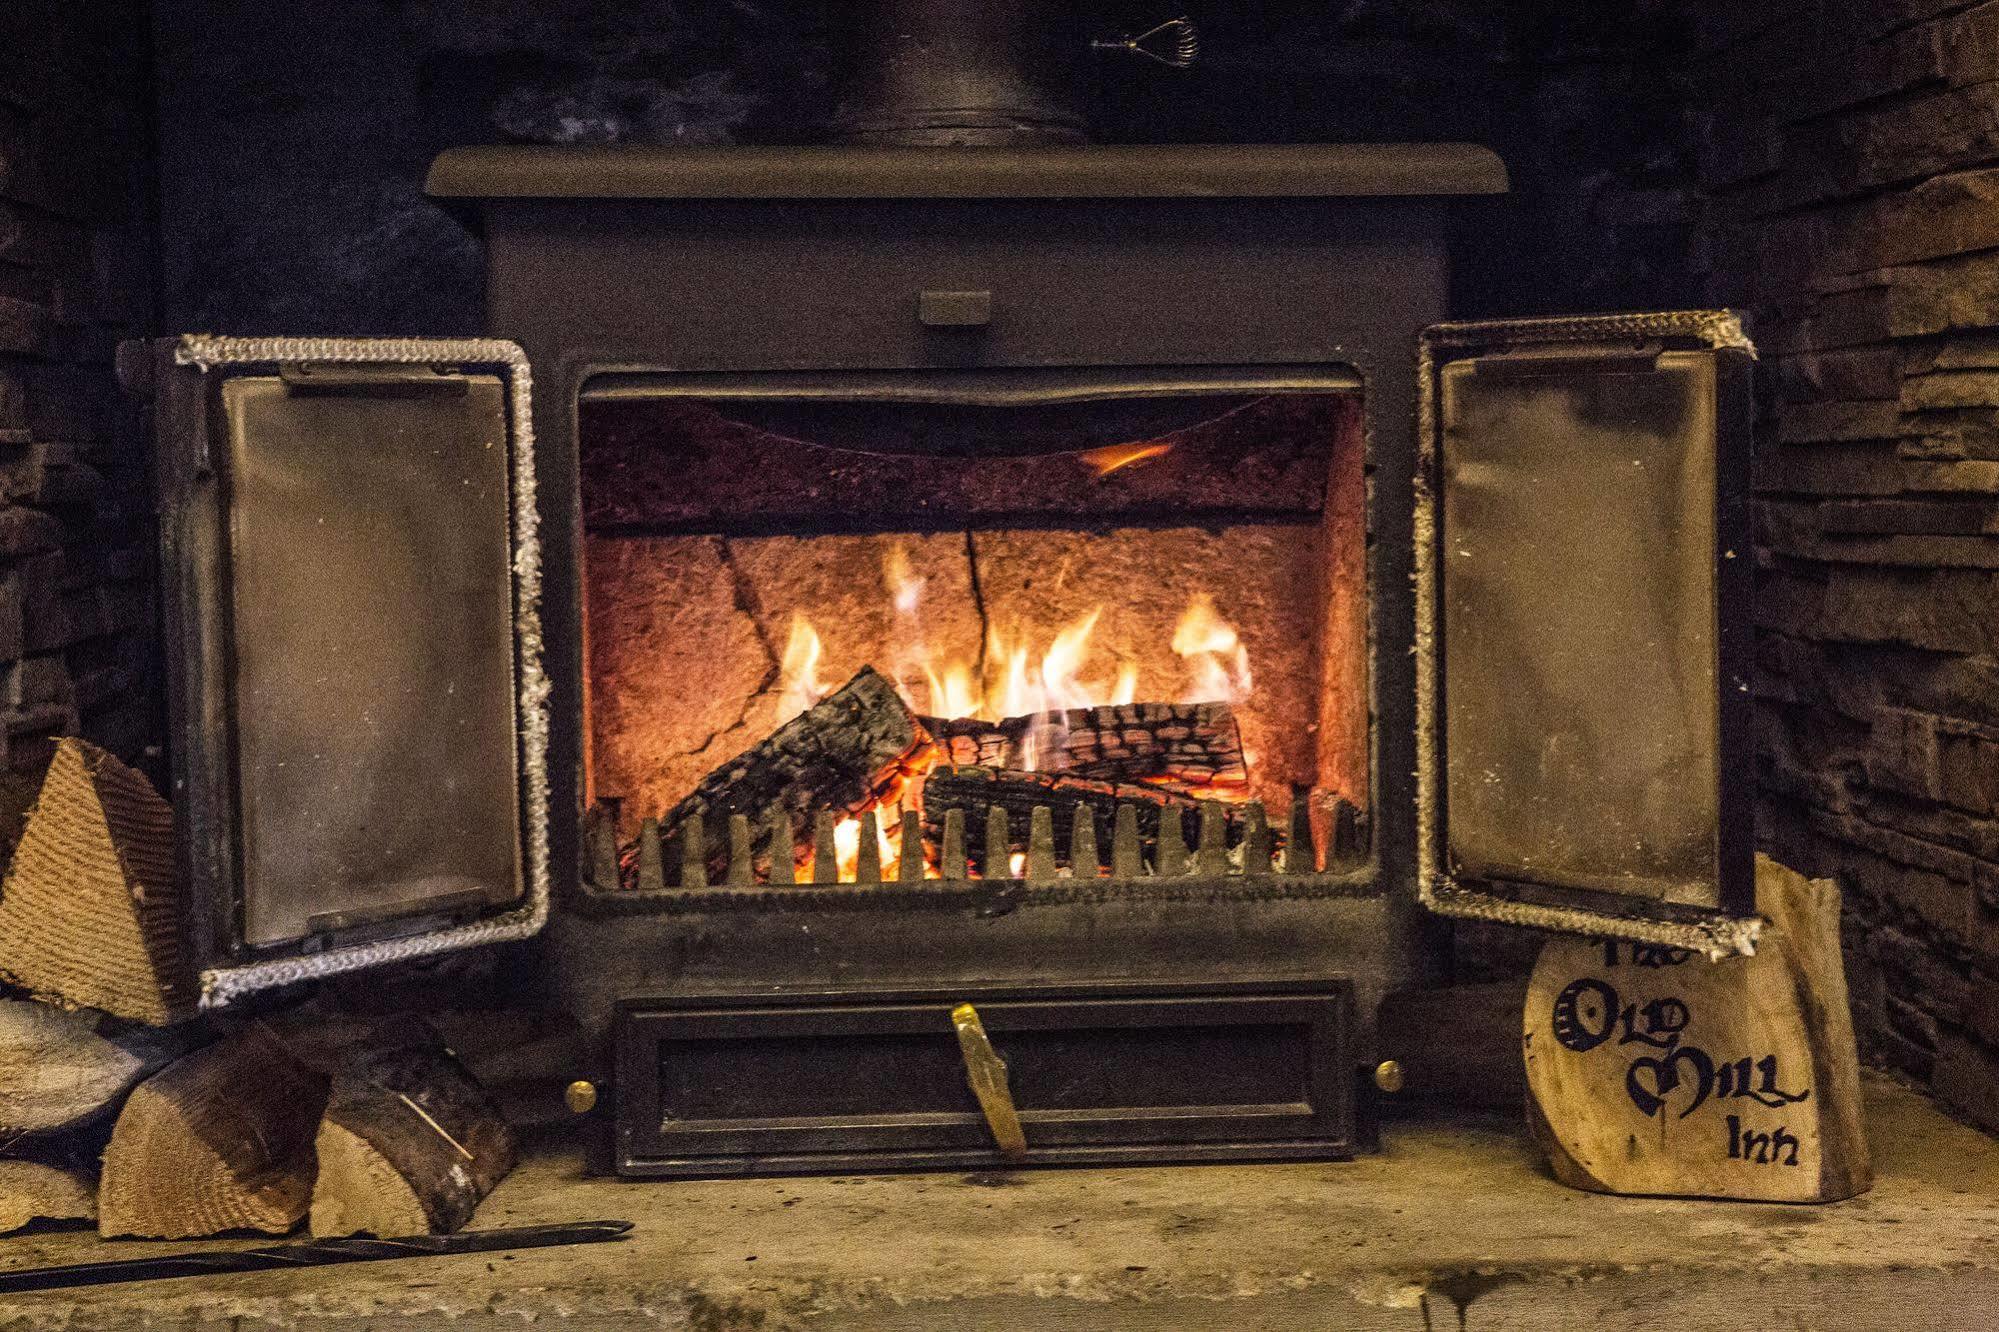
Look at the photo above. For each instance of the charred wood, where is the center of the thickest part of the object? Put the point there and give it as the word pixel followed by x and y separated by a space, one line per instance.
pixel 1186 747
pixel 855 748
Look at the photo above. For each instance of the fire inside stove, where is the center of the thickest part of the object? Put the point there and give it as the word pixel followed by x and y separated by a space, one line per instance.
pixel 903 639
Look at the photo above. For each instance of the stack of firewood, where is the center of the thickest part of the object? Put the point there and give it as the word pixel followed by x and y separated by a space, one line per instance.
pixel 120 1101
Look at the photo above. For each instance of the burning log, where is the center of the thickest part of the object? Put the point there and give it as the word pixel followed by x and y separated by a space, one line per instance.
pixel 854 749
pixel 1185 747
pixel 1161 815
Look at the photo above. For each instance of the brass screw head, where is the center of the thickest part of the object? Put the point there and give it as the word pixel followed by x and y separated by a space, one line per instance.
pixel 580 1096
pixel 1388 1076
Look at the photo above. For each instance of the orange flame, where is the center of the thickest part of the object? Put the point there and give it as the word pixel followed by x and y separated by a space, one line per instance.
pixel 1112 457
pixel 1217 661
pixel 1015 680
pixel 799 670
pixel 847 847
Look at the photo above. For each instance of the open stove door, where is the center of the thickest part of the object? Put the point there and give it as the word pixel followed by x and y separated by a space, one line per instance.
pixel 356 697
pixel 1584 576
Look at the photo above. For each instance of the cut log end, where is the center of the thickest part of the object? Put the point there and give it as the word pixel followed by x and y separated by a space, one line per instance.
pixel 359 1192
pixel 61 1069
pixel 32 1191
pixel 408 1143
pixel 91 915
pixel 222 1140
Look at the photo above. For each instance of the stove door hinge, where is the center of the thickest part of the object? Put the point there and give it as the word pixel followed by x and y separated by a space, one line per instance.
pixel 376 380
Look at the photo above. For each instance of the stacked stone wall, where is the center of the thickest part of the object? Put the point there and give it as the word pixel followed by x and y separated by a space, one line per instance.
pixel 1850 158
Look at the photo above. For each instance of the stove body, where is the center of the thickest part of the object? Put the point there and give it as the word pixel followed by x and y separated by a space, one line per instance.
pixel 952 406
pixel 621 272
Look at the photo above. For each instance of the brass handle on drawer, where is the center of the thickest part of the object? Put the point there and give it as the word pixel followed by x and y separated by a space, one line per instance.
pixel 986 1072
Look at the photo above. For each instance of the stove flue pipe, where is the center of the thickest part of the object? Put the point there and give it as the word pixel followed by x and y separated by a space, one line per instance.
pixel 982 72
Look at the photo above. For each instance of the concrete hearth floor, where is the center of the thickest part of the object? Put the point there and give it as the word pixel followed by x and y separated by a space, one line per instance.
pixel 1453 1225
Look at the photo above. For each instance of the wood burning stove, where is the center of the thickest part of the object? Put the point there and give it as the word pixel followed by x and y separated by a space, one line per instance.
pixel 789 299
pixel 1187 618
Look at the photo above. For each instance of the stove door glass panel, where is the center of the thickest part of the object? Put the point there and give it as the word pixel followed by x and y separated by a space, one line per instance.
pixel 1576 554
pixel 373 672
pixel 1584 653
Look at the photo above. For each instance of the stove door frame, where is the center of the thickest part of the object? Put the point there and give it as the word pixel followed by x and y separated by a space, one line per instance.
pixel 183 377
pixel 1523 893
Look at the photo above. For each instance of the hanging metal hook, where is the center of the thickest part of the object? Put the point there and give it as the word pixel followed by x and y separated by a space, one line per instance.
pixel 1175 43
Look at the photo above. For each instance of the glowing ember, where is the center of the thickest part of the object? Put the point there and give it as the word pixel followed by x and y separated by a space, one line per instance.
pixel 1112 457
pixel 1015 676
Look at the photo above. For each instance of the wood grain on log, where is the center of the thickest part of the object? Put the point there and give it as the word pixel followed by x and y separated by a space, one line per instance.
pixel 220 1140
pixel 1183 747
pixel 1656 1071
pixel 61 1069
pixel 408 1143
pixel 91 914
pixel 853 749
pixel 33 1191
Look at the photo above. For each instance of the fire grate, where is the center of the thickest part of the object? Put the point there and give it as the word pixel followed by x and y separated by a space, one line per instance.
pixel 1049 830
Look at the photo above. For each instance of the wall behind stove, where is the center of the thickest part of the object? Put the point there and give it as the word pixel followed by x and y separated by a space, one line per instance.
pixel 1852 153
pixel 295 137
pixel 76 627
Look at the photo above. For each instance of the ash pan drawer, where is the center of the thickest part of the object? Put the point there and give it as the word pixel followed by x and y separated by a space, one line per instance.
pixel 818 1083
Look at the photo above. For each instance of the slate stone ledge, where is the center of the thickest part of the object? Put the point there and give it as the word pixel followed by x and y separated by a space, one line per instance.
pixel 1454 1225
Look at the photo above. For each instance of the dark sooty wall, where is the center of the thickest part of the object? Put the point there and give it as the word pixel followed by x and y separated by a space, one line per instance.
pixel 77 634
pixel 1852 163
pixel 295 137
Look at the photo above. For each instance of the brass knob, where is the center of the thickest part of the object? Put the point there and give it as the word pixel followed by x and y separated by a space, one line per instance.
pixel 580 1096
pixel 1388 1076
